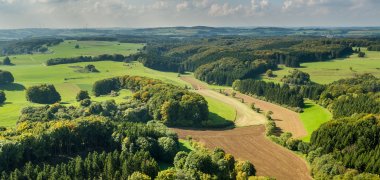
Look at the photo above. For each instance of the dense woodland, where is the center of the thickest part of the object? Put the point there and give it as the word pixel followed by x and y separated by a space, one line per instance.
pixel 114 141
pixel 374 48
pixel 109 140
pixel 352 95
pixel 351 142
pixel 103 57
pixel 171 104
pixel 348 146
pixel 29 46
pixel 272 92
pixel 212 59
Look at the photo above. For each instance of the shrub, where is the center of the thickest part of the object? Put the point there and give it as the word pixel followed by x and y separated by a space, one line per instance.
pixel 2 97
pixel 43 94
pixel 168 148
pixel 82 95
pixel 7 61
pixel 6 77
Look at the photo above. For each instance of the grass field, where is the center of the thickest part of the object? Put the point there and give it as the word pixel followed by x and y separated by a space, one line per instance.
pixel 220 112
pixel 329 71
pixel 312 117
pixel 29 70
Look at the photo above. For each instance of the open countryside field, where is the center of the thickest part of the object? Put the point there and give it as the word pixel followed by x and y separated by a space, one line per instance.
pixel 313 116
pixel 330 71
pixel 29 70
pixel 250 143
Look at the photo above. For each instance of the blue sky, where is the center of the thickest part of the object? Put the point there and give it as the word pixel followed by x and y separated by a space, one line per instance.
pixel 158 13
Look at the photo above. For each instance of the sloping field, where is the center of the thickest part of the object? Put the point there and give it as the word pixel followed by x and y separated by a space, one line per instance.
pixel 250 143
pixel 244 115
pixel 286 120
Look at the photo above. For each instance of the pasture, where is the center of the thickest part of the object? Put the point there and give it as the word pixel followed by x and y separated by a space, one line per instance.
pixel 330 71
pixel 30 70
pixel 312 117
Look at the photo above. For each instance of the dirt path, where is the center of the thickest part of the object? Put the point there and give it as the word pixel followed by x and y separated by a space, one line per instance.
pixel 286 120
pixel 250 143
pixel 244 115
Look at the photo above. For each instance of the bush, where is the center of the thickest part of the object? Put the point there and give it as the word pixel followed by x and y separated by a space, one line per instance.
pixel 139 176
pixel 105 86
pixel 85 102
pixel 168 148
pixel 2 97
pixel 43 94
pixel 7 61
pixel 82 95
pixel 6 77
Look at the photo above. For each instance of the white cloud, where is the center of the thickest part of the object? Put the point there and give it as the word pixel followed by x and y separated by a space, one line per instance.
pixel 130 13
pixel 182 6
pixel 224 10
pixel 259 4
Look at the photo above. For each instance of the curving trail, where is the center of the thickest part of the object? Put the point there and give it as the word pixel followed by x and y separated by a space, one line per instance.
pixel 285 119
pixel 244 115
pixel 250 143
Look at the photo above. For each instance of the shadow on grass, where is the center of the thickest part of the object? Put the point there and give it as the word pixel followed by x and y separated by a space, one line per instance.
pixel 182 147
pixel 216 121
pixel 308 105
pixel 12 87
pixel 5 103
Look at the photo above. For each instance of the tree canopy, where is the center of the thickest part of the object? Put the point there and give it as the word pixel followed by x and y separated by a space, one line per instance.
pixel 43 94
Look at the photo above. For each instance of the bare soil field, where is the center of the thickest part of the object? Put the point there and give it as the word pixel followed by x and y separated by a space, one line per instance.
pixel 250 143
pixel 286 120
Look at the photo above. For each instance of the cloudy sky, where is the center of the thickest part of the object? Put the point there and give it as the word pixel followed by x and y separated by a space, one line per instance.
pixel 155 13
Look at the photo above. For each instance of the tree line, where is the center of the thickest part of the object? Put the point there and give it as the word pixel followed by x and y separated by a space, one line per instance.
pixel 170 104
pixel 29 46
pixel 103 57
pixel 350 142
pixel 270 91
pixel 212 57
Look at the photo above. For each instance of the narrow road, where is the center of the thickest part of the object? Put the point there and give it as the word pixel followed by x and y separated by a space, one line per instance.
pixel 249 143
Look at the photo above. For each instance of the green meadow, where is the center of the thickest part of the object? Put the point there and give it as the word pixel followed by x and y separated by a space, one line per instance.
pixel 330 71
pixel 313 116
pixel 30 70
pixel 220 112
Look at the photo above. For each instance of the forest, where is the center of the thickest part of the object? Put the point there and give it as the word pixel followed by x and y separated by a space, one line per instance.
pixel 348 145
pixel 211 58
pixel 29 46
pixel 114 141
pixel 272 92
pixel 103 57
pixel 131 139
pixel 173 105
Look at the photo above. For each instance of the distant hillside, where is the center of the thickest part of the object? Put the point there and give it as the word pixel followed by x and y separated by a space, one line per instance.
pixel 193 31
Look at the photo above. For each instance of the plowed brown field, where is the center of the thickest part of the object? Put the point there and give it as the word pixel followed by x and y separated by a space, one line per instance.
pixel 250 143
